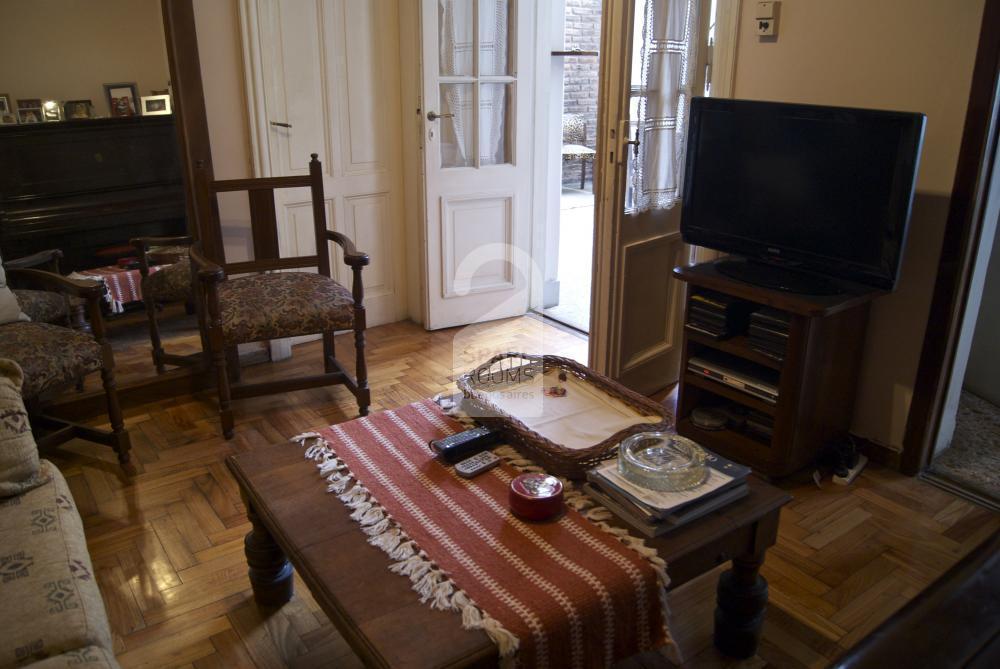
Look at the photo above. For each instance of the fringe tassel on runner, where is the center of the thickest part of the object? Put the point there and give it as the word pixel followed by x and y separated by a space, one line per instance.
pixel 428 581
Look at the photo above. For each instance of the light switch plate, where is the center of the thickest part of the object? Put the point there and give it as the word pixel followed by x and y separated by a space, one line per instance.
pixel 765 10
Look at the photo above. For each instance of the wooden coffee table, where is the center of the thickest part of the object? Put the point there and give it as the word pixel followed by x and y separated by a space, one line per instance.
pixel 297 523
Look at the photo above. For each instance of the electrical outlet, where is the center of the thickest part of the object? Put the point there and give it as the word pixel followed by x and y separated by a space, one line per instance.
pixel 765 27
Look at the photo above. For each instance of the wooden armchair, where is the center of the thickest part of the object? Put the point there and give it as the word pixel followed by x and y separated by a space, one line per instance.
pixel 54 356
pixel 46 306
pixel 270 304
pixel 172 283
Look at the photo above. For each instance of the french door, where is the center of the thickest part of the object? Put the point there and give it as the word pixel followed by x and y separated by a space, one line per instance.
pixel 477 124
pixel 637 306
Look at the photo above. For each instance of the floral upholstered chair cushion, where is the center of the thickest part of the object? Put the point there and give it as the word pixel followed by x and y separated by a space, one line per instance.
pixel 43 306
pixel 172 283
pixel 49 355
pixel 285 304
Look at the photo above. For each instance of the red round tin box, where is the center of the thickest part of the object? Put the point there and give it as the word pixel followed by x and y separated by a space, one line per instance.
pixel 536 496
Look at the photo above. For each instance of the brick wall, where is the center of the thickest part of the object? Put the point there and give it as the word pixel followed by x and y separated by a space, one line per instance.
pixel 582 31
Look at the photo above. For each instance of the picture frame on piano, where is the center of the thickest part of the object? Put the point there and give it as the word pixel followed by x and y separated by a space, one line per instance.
pixel 155 105
pixel 122 99
pixel 6 113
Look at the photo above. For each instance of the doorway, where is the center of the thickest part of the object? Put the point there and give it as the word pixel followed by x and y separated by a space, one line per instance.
pixel 968 462
pixel 575 40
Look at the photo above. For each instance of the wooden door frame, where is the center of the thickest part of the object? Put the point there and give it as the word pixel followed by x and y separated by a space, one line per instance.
pixel 191 117
pixel 962 238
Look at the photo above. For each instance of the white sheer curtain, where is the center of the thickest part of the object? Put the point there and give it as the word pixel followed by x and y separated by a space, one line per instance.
pixel 669 41
pixel 455 51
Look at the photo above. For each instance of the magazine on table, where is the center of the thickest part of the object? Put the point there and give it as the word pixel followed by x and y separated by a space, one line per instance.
pixel 658 505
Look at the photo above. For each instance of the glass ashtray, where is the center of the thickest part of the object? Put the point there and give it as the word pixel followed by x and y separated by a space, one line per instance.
pixel 662 461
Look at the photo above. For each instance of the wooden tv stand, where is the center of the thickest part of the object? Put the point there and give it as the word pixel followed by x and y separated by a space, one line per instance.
pixel 816 383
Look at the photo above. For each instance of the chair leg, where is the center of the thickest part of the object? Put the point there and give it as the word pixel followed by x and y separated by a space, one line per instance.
pixel 583 174
pixel 225 396
pixel 154 335
pixel 364 394
pixel 233 364
pixel 329 352
pixel 123 443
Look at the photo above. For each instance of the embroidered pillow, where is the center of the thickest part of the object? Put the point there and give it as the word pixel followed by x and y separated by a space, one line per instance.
pixel 18 452
pixel 10 310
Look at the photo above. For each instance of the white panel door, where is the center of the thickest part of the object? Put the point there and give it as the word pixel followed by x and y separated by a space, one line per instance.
pixel 323 77
pixel 477 89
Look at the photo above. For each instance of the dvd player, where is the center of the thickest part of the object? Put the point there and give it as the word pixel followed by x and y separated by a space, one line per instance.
pixel 737 376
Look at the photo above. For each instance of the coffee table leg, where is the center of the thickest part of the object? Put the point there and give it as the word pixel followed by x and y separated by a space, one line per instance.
pixel 742 598
pixel 271 573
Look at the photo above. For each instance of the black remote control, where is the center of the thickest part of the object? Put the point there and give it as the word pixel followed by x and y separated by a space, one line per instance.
pixel 461 445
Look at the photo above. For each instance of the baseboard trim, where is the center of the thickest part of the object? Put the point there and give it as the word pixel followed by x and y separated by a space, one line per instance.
pixel 879 453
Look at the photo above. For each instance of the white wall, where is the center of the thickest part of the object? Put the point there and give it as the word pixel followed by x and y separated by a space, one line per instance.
pixel 68 49
pixel 220 51
pixel 911 55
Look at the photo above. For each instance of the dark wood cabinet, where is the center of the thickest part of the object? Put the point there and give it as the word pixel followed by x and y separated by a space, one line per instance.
pixel 817 378
pixel 81 186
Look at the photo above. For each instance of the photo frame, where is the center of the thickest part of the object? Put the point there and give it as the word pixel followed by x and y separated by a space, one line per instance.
pixel 76 110
pixel 122 99
pixel 7 116
pixel 155 105
pixel 29 111
pixel 52 111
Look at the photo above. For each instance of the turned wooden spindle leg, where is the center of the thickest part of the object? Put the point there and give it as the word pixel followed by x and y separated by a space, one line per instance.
pixel 271 575
pixel 742 598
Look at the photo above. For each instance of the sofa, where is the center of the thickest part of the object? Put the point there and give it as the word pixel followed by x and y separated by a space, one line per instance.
pixel 52 613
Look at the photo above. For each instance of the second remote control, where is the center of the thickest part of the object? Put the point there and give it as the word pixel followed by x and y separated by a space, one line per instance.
pixel 477 464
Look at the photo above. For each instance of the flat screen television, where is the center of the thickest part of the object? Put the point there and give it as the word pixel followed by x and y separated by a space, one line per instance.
pixel 807 195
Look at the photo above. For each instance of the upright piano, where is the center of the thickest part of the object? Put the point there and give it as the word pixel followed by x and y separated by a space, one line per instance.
pixel 87 185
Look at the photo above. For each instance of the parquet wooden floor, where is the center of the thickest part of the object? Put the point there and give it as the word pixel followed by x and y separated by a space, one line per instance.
pixel 167 543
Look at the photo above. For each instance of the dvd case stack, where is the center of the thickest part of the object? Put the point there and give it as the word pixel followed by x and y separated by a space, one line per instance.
pixel 716 315
pixel 653 512
pixel 768 333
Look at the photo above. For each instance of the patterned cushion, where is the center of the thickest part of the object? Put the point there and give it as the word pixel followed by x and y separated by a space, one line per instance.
pixel 284 304
pixel 43 306
pixel 48 354
pixel 171 284
pixel 45 569
pixel 18 453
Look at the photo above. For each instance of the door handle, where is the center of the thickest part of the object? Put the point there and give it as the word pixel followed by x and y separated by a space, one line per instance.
pixel 634 143
pixel 281 125
pixel 434 116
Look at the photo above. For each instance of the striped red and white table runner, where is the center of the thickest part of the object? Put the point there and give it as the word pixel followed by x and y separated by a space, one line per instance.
pixel 561 593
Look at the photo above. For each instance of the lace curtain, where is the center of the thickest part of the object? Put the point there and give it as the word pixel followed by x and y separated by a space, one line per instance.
pixel 455 51
pixel 669 40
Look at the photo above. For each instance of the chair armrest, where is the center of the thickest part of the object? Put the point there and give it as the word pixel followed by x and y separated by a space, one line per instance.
pixel 207 271
pixel 352 256
pixel 57 283
pixel 49 258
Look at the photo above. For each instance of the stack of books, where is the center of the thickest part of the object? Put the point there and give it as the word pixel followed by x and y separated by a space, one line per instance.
pixel 768 333
pixel 652 512
pixel 716 315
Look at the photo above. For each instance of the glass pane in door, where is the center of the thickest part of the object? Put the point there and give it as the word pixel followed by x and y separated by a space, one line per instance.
pixel 495 124
pixel 495 48
pixel 456 37
pixel 457 125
